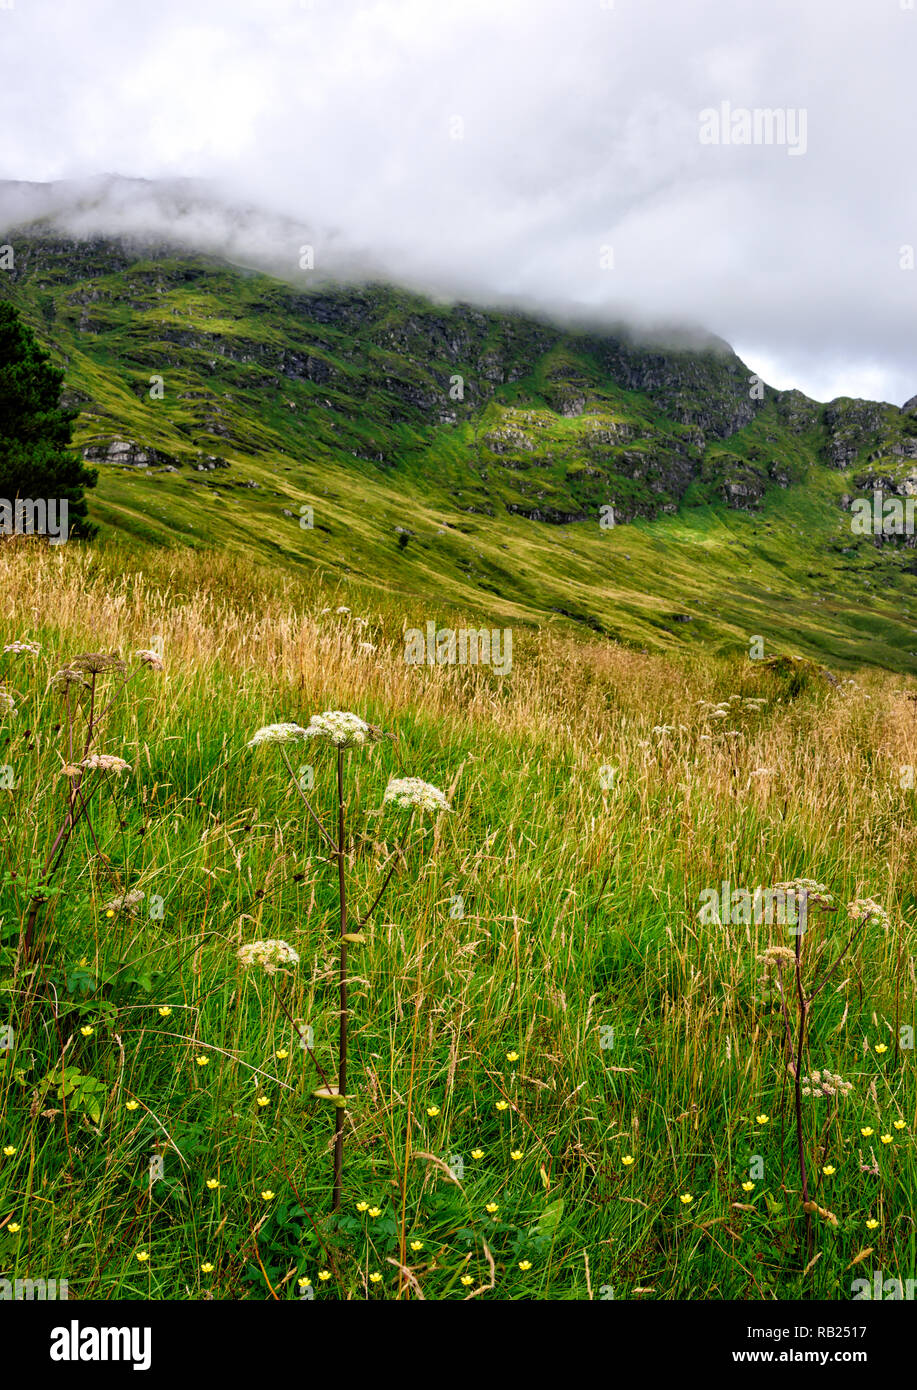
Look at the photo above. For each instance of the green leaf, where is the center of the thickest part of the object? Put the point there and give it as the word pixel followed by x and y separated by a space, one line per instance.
pixel 549 1219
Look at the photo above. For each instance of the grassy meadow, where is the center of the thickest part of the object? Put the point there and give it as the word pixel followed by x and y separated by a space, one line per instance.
pixel 562 1084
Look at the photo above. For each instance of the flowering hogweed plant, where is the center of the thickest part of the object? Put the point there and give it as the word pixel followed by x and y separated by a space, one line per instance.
pixel 102 762
pixel 277 733
pixel 412 793
pixel 269 955
pixel 84 677
pixel 342 731
pixel 825 1085
pixel 785 972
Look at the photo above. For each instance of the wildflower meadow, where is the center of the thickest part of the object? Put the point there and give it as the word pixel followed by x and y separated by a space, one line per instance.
pixel 326 975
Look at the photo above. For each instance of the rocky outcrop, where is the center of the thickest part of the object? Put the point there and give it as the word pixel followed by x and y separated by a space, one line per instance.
pixel 127 453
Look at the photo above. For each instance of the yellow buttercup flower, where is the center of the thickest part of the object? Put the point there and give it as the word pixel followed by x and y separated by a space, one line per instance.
pixel 110 912
pixel 867 1131
pixel 466 1279
pixel 416 1245
pixel 131 1104
pixel 164 1011
pixel 886 1138
pixel 686 1199
pixel 324 1275
pixel 202 1061
pixel 264 1100
pixel 375 1278
pixel 374 1212
pixel 627 1160
pixel 362 1206
pixel 880 1047
pixel 477 1153
pixel 281 1053
pixel 871 1224
pixel 512 1056
pixel 492 1207
pixel 747 1186
pixel 762 1119
pixel 268 1195
pixel 515 1155
pixel 87 1031
pixel 828 1170
pixel 525 1264
pixel 213 1184
pixel 502 1104
pixel 9 1150
pixel 900 1124
pixel 304 1283
pixel 207 1268
pixel 13 1227
pixel 143 1256
pixel 432 1110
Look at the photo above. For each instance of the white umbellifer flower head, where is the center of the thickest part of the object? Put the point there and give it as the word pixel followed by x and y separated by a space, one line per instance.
pixel 277 733
pixel 268 955
pixel 149 658
pixel 870 913
pixel 808 889
pixel 22 648
pixel 342 610
pixel 7 702
pixel 778 956
pixel 826 1085
pixel 104 762
pixel 341 728
pixel 411 792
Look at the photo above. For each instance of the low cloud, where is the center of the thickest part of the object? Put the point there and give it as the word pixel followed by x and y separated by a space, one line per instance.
pixel 552 153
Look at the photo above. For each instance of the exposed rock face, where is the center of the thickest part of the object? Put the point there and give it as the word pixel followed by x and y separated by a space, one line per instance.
pixel 852 426
pixel 127 453
pixel 542 421
pixel 299 367
pixel 797 413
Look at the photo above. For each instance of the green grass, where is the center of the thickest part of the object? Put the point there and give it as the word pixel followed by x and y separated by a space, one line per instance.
pixel 578 915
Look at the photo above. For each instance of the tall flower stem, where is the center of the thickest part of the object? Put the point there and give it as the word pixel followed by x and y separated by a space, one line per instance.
pixel 342 990
pixel 797 1089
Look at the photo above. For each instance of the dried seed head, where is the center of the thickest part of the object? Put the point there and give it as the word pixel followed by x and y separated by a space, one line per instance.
pixel 69 680
pixel 97 662
pixel 149 658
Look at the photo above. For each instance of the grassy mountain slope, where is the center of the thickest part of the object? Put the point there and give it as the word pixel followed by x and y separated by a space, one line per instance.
pixel 461 457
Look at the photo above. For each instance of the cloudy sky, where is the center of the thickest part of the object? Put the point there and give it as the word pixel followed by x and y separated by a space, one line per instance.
pixel 600 153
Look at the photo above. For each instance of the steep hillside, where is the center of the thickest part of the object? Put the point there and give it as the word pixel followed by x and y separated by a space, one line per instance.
pixel 469 457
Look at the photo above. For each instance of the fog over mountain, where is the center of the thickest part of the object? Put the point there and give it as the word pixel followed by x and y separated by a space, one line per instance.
pixel 741 168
